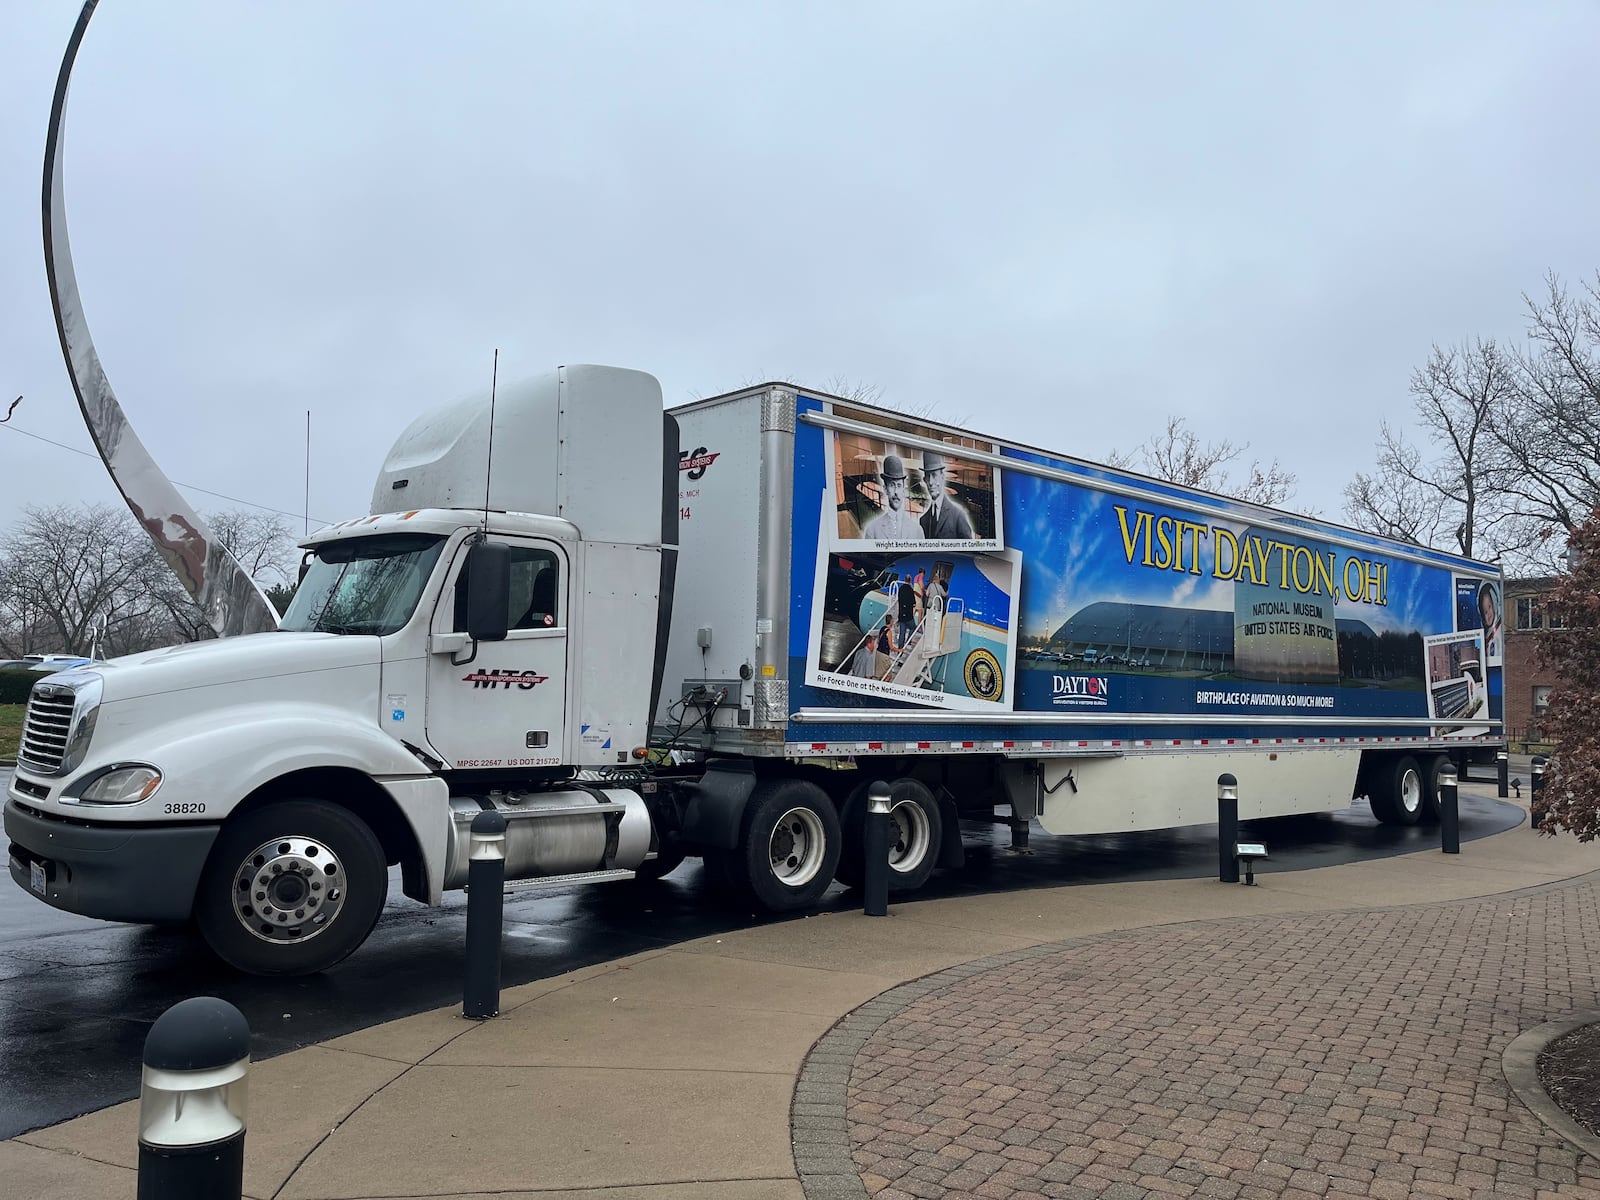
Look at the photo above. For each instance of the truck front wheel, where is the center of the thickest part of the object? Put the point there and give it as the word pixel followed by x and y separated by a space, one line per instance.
pixel 291 888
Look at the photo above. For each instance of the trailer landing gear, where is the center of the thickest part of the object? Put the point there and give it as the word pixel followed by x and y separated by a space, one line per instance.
pixel 1019 836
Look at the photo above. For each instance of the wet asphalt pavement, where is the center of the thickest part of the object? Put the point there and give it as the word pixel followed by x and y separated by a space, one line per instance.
pixel 77 996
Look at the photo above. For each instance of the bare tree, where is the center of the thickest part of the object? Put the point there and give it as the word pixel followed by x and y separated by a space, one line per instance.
pixel 63 570
pixel 1395 501
pixel 1451 500
pixel 1512 460
pixel 66 572
pixel 259 540
pixel 1177 455
pixel 1549 435
pixel 859 393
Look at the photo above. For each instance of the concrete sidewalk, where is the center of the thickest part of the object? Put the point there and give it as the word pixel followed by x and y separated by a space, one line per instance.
pixel 673 1075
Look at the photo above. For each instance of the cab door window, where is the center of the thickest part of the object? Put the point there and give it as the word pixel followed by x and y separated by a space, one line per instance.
pixel 535 591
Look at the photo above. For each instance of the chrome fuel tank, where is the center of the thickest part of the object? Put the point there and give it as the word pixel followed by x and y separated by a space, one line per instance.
pixel 554 833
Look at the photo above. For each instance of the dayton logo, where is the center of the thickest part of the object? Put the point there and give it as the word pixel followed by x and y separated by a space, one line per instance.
pixel 494 678
pixel 697 460
pixel 1080 690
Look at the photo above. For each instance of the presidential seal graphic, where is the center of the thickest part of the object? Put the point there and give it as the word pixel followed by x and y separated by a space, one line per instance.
pixel 983 676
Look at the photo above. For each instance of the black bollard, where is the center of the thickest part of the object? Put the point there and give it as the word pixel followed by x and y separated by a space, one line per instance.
pixel 1536 804
pixel 486 881
pixel 1449 810
pixel 875 848
pixel 1502 765
pixel 1227 828
pixel 192 1103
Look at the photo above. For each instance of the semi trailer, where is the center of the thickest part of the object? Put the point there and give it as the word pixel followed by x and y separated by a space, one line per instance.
pixel 643 635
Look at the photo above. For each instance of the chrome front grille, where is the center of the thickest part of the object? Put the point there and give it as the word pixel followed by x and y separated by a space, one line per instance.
pixel 47 728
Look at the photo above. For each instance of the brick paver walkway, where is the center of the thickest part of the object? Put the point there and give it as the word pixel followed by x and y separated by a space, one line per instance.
pixel 1336 1054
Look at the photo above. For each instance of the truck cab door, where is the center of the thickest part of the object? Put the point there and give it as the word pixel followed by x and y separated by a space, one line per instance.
pixel 507 706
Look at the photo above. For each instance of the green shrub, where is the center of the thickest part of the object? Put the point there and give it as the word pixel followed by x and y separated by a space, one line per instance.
pixel 15 685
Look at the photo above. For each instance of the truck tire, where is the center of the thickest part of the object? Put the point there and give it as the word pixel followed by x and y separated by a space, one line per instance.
pixel 790 846
pixel 1431 766
pixel 1397 792
pixel 291 888
pixel 916 827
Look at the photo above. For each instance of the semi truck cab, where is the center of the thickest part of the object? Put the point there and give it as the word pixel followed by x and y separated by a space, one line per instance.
pixel 490 630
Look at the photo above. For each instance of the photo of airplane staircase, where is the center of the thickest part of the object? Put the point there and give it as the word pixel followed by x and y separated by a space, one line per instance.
pixel 919 663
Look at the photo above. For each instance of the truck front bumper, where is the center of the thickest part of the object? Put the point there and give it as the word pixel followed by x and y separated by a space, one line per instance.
pixel 108 871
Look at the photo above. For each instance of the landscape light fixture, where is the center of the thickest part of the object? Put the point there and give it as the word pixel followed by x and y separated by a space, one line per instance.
pixel 1247 853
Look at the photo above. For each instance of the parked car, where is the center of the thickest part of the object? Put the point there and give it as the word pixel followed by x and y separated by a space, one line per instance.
pixel 46 663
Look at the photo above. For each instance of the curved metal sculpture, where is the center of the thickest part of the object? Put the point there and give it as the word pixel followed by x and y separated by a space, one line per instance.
pixel 232 602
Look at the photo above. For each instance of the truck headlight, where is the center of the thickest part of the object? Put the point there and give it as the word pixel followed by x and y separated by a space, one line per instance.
pixel 121 785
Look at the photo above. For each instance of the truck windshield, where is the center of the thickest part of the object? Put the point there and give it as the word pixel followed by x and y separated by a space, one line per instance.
pixel 363 585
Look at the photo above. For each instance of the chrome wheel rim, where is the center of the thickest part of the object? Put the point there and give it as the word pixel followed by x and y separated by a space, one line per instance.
pixel 910 836
pixel 1411 791
pixel 795 849
pixel 289 889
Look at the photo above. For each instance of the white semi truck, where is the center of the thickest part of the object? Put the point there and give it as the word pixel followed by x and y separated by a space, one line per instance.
pixel 642 635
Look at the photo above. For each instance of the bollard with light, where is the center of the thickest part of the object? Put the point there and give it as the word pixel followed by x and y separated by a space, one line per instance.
pixel 875 848
pixel 1227 828
pixel 1449 809
pixel 192 1103
pixel 486 880
pixel 1502 771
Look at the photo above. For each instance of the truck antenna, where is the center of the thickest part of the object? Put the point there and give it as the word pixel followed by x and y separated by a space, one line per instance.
pixel 488 466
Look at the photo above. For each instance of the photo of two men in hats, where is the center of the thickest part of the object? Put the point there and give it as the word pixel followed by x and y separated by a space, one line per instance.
pixel 943 518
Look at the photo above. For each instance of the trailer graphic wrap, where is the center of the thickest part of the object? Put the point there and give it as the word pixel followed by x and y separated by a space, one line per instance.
pixel 1478 606
pixel 928 628
pixel 890 495
pixel 915 600
pixel 1103 596
pixel 1456 675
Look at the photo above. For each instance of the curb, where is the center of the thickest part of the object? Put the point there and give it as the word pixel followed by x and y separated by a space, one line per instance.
pixel 1520 1062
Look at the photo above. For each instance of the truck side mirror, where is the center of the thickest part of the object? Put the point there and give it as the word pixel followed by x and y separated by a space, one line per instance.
pixel 305 565
pixel 488 591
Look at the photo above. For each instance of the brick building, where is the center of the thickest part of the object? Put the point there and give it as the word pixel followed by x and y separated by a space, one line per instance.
pixel 1527 685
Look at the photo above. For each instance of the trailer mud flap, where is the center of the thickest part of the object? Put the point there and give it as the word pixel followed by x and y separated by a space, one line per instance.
pixel 952 850
pixel 714 813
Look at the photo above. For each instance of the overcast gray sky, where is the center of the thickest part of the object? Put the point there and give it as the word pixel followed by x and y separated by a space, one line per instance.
pixel 1060 221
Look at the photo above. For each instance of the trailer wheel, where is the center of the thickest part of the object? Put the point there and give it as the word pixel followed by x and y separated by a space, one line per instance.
pixel 916 828
pixel 790 848
pixel 1431 766
pixel 1397 792
pixel 291 888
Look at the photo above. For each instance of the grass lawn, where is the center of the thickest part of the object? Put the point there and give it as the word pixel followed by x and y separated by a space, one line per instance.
pixel 10 729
